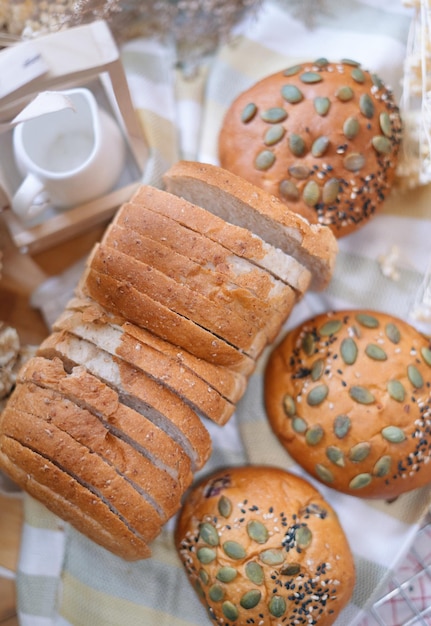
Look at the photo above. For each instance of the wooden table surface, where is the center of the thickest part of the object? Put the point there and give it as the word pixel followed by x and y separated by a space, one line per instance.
pixel 20 275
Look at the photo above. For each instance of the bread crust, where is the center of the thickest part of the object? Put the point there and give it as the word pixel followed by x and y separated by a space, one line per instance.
pixel 67 499
pixel 167 371
pixel 134 389
pixel 222 241
pixel 239 202
pixel 356 153
pixel 138 308
pixel 347 394
pixel 250 537
pixel 92 394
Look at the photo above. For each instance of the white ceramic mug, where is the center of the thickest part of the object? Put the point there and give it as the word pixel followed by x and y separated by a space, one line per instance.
pixel 67 157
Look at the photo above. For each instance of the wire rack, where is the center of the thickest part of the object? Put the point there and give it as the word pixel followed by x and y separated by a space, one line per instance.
pixel 406 600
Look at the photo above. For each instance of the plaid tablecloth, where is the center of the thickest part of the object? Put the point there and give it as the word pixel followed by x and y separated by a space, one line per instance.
pixel 63 578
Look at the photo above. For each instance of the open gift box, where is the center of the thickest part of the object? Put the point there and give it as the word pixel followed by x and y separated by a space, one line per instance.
pixel 85 56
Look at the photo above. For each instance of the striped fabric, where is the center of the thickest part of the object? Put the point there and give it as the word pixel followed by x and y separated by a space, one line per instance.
pixel 64 579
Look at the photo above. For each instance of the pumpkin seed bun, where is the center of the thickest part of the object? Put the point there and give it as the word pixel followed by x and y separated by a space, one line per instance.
pixel 261 546
pixel 323 137
pixel 348 395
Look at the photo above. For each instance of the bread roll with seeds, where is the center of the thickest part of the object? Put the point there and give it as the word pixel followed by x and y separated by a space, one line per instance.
pixel 348 395
pixel 262 546
pixel 322 136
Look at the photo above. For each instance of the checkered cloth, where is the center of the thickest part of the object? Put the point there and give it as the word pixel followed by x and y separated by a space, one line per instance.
pixel 65 579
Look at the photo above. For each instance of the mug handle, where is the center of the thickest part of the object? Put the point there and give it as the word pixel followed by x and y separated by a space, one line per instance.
pixel 23 202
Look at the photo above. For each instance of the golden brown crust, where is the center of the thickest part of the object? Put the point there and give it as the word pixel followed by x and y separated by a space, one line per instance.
pixel 250 538
pixel 347 394
pixel 341 183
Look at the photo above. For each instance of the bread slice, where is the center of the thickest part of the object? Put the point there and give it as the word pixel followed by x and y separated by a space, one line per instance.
pixel 239 202
pixel 74 459
pixel 136 390
pixel 124 299
pixel 231 385
pixel 267 313
pixel 102 401
pixel 192 390
pixel 226 325
pixel 155 485
pixel 66 497
pixel 212 242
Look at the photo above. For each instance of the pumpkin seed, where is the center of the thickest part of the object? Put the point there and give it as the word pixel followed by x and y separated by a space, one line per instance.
pixel 198 588
pixel 393 434
pixel 385 123
pixel 317 369
pixel 291 94
pixel 342 426
pixel 311 193
pixel 274 134
pixel 254 572
pixel 414 376
pixel 354 161
pixel 288 190
pixel 229 610
pixel 299 425
pixel 359 452
pixel 224 506
pixel 296 144
pixel 382 467
pixel 321 105
pixel 321 62
pixel 291 71
pixel 299 172
pixel 308 344
pixel 314 435
pixel 344 93
pixel 396 390
pixel 216 593
pixel 351 127
pixel 361 395
pixel 426 355
pixel 248 112
pixel 319 147
pixel 250 599
pixel 226 574
pixel 209 534
pixel 330 190
pixel 257 531
pixel 350 62
pixel 369 321
pixel 303 537
pixel 330 328
pixel 366 106
pixel 393 333
pixel 291 569
pixel 234 550
pixel 317 395
pixel 375 352
pixel 348 350
pixel 336 455
pixel 360 481
pixel 289 405
pixel 310 77
pixel 377 81
pixel 206 555
pixel 274 115
pixel 277 606
pixel 272 557
pixel 324 473
pixel 381 144
pixel 264 160
pixel 357 75
pixel 204 576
